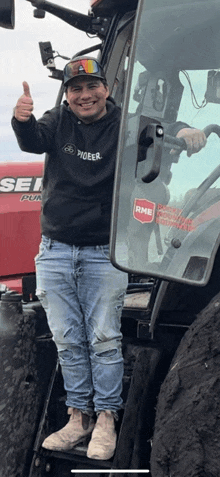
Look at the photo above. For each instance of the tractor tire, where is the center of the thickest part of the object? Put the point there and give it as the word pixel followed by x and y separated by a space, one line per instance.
pixel 186 439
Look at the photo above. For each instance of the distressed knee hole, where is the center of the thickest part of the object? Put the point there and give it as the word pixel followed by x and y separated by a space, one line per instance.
pixel 66 355
pixel 69 353
pixel 107 354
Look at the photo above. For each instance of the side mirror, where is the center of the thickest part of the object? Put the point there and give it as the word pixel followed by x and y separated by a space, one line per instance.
pixel 7 14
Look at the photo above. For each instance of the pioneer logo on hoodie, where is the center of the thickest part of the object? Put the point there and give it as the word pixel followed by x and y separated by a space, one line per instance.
pixel 87 156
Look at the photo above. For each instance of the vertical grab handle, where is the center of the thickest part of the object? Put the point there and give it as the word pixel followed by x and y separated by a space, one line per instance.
pixel 151 136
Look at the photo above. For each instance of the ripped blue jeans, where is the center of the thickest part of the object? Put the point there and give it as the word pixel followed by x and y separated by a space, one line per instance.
pixel 83 294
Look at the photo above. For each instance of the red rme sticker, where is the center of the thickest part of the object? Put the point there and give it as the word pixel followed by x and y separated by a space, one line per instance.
pixel 144 210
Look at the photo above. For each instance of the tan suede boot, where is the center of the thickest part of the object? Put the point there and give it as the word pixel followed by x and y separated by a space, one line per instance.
pixel 103 441
pixel 79 426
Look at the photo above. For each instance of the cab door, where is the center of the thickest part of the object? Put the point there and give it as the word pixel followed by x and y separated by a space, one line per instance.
pixel 166 205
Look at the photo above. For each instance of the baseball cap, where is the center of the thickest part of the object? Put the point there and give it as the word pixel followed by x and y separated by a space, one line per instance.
pixel 82 66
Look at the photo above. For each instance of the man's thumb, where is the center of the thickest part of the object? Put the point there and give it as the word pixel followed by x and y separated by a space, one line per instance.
pixel 26 89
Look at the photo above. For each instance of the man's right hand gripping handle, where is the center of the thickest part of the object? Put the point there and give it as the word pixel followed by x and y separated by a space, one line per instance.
pixel 24 106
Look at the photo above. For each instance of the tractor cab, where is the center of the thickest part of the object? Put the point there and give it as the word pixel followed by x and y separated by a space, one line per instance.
pixel 167 205
pixel 162 62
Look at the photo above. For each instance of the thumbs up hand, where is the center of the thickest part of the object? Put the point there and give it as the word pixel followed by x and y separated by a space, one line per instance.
pixel 24 106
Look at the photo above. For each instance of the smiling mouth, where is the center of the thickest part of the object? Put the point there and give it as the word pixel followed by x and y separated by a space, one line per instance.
pixel 87 105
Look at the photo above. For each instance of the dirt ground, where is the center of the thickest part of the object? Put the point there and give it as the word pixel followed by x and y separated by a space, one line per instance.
pixel 186 441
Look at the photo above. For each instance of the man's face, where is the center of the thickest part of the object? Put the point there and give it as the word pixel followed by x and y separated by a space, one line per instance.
pixel 87 98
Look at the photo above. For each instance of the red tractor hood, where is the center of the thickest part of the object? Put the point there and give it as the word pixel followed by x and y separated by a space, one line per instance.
pixel 20 204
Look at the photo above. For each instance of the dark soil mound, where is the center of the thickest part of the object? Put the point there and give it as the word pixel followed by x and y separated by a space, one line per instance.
pixel 186 441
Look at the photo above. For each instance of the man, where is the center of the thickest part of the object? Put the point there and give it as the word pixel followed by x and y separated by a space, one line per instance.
pixel 80 290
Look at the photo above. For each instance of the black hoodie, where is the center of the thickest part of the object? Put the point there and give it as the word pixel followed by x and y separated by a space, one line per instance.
pixel 79 172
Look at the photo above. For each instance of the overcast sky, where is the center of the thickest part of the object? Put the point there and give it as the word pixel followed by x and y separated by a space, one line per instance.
pixel 20 60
